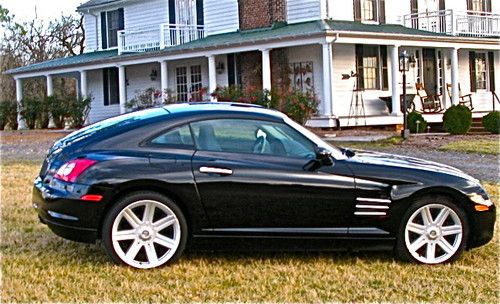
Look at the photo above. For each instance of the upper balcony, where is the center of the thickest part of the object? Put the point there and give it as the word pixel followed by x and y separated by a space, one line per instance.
pixel 157 38
pixel 458 23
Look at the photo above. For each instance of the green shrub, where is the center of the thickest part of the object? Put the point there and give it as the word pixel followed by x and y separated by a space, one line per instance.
pixel 31 108
pixel 78 111
pixel 58 108
pixel 413 117
pixel 491 122
pixel 299 106
pixel 457 119
pixel 8 114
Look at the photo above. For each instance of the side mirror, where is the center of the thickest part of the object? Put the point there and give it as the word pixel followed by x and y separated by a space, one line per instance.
pixel 324 157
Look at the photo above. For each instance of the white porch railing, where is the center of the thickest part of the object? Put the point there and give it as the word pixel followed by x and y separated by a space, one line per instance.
pixel 463 23
pixel 154 38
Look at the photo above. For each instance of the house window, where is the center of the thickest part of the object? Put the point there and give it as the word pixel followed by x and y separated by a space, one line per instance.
pixel 111 23
pixel 110 86
pixel 481 71
pixel 479 5
pixel 369 10
pixel 189 83
pixel 371 66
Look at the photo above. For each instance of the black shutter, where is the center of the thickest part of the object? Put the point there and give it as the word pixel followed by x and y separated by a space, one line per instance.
pixel 104 31
pixel 105 86
pixel 385 74
pixel 171 11
pixel 121 19
pixel 472 69
pixel 491 70
pixel 382 12
pixel 357 10
pixel 200 19
pixel 359 67
pixel 488 6
pixel 231 73
pixel 469 5
pixel 414 6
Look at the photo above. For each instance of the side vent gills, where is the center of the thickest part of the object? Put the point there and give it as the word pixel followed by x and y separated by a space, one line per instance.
pixel 372 206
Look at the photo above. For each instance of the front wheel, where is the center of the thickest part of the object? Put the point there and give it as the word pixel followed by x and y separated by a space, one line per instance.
pixel 433 231
pixel 144 230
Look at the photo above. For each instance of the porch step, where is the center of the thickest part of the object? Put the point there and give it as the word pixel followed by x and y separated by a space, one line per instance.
pixel 477 127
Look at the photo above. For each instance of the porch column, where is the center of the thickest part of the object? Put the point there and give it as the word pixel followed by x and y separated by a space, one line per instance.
pixel 122 88
pixel 50 92
pixel 327 79
pixel 164 77
pixel 21 123
pixel 396 101
pixel 83 84
pixel 266 70
pixel 212 77
pixel 454 76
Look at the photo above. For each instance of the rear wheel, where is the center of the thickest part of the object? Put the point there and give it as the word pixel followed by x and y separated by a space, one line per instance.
pixel 433 231
pixel 144 230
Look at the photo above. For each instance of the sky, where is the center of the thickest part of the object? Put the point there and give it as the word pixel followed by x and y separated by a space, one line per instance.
pixel 24 10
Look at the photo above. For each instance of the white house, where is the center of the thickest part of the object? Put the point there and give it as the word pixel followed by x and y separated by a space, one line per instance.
pixel 184 45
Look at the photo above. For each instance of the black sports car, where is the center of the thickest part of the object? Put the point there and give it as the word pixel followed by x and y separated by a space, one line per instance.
pixel 147 182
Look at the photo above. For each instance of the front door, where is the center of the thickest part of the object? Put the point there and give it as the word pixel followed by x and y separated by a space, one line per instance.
pixel 189 83
pixel 252 178
pixel 429 67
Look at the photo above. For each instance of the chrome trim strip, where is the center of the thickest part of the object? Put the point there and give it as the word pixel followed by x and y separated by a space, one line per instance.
pixel 280 230
pixel 369 213
pixel 367 230
pixel 371 207
pixel 212 170
pixel 373 200
pixel 62 216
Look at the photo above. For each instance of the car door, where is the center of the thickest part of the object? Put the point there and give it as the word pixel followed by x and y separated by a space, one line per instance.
pixel 253 176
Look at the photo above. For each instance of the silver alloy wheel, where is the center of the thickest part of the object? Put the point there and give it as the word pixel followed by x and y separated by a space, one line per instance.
pixel 433 234
pixel 146 234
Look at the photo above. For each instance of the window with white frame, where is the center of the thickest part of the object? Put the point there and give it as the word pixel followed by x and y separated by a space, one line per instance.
pixel 182 84
pixel 371 67
pixel 481 71
pixel 369 10
pixel 479 5
pixel 189 83
pixel 111 23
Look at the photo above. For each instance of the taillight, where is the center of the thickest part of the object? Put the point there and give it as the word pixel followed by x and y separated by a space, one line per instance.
pixel 70 171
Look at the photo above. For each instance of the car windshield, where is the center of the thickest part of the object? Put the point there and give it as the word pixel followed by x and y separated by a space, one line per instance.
pixel 337 153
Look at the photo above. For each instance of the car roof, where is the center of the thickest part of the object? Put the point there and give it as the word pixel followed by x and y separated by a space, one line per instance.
pixel 233 107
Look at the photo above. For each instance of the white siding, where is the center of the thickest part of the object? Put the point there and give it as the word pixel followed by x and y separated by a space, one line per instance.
pixel 310 53
pixel 341 10
pixel 90 23
pixel 98 111
pixel 146 14
pixel 139 79
pixel 395 9
pixel 221 16
pixel 303 10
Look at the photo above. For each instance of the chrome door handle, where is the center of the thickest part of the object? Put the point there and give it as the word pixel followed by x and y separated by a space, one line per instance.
pixel 213 170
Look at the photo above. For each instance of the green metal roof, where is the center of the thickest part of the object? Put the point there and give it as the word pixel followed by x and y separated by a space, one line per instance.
pixel 276 32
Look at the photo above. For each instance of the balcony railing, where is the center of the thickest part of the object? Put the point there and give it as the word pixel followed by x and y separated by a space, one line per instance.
pixel 157 38
pixel 461 23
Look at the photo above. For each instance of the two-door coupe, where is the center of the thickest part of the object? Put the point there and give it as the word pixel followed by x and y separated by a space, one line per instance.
pixel 146 183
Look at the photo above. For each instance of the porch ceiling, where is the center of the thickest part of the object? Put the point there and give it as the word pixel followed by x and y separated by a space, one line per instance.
pixel 249 40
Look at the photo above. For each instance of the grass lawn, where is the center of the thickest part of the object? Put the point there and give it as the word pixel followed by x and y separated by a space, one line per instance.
pixel 482 146
pixel 39 266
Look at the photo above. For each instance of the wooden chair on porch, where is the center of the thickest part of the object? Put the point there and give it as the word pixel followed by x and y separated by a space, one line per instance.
pixel 465 100
pixel 430 103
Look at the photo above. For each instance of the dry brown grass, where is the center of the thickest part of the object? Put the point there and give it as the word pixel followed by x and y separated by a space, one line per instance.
pixel 39 266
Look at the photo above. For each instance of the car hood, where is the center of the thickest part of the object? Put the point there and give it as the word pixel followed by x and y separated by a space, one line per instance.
pixel 405 162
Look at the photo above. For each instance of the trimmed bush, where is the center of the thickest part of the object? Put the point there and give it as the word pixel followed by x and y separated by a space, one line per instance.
pixel 8 114
pixel 457 120
pixel 58 108
pixel 413 117
pixel 31 112
pixel 78 110
pixel 491 122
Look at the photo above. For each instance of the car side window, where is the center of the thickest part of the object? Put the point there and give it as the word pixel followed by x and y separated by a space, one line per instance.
pixel 179 137
pixel 251 137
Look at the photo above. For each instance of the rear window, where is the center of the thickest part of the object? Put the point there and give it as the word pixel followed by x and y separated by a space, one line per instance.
pixel 107 124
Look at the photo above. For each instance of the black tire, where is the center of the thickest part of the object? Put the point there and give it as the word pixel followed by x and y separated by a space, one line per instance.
pixel 403 252
pixel 134 198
